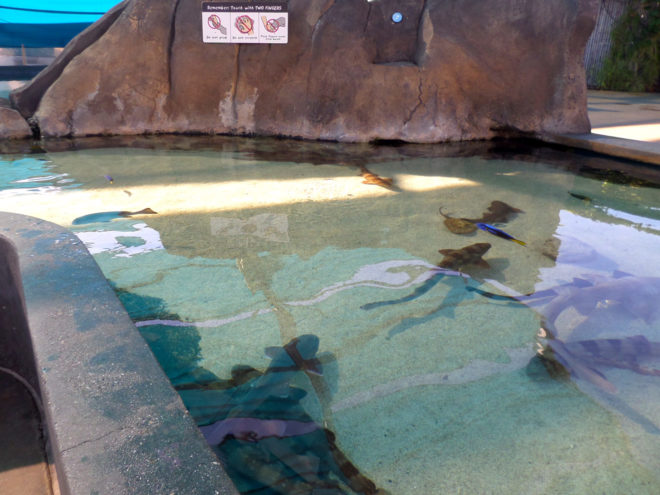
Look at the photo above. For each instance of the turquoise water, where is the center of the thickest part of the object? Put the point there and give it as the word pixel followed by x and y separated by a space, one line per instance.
pixel 306 322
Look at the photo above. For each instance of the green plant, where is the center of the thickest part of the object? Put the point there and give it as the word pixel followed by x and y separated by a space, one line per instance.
pixel 634 60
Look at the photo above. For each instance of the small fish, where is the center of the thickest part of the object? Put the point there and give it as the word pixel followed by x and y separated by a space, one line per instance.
pixel 581 197
pixel 469 255
pixel 108 216
pixel 110 179
pixel 458 225
pixel 371 178
pixel 499 233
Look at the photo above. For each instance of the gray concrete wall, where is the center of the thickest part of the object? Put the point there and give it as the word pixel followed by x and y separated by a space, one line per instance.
pixel 115 423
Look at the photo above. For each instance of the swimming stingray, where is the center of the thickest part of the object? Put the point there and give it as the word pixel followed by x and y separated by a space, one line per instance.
pixel 455 259
pixel 638 296
pixel 418 292
pixel 458 225
pixel 588 361
pixel 257 424
pixel 108 216
pixel 450 301
pixel 371 178
pixel 297 354
pixel 497 212
pixel 272 384
pixel 584 359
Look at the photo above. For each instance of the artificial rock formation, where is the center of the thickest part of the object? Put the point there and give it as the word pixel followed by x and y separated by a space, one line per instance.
pixel 12 125
pixel 451 70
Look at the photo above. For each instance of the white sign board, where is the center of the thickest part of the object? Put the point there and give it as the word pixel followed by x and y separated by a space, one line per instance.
pixel 245 22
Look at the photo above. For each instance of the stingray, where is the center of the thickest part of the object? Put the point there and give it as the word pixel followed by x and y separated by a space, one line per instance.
pixel 455 259
pixel 584 359
pixel 451 301
pixel 639 296
pixel 298 354
pixel 589 361
pixel 418 292
pixel 258 426
pixel 497 212
pixel 371 178
pixel 453 298
pixel 458 225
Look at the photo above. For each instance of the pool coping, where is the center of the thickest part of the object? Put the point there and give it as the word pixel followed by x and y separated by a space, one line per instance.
pixel 114 422
pixel 640 151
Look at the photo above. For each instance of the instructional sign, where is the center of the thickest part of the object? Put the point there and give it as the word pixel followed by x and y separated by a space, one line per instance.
pixel 245 22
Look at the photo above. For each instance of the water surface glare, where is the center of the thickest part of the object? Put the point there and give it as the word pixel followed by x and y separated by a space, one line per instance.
pixel 334 336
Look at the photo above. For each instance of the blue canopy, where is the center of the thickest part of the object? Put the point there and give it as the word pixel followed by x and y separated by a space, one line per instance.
pixel 44 23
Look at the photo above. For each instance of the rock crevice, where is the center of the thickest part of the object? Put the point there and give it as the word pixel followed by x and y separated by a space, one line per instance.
pixel 170 45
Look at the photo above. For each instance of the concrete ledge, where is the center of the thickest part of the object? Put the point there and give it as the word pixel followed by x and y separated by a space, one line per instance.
pixel 16 353
pixel 114 422
pixel 641 151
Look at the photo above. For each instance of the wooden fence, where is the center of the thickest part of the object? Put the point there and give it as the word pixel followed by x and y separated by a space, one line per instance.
pixel 598 46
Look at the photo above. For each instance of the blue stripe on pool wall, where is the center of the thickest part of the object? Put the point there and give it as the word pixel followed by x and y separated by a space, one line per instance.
pixel 41 24
pixel 48 12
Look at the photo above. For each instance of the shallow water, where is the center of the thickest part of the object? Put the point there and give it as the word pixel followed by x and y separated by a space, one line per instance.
pixel 303 318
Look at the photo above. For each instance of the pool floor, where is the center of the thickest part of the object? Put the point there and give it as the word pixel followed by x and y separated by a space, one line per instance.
pixel 323 341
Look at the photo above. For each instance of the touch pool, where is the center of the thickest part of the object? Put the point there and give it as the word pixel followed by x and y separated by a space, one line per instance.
pixel 325 345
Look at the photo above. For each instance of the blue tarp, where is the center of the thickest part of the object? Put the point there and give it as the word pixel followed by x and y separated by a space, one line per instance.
pixel 44 23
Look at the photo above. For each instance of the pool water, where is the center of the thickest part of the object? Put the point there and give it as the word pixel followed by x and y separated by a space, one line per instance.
pixel 325 345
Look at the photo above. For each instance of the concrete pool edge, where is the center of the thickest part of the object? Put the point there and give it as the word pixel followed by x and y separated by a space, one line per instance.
pixel 114 422
pixel 639 151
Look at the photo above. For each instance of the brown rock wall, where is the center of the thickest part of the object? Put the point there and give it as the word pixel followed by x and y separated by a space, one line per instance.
pixel 12 124
pixel 452 70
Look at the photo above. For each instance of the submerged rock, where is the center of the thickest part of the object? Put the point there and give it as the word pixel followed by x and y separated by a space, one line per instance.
pixel 450 70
